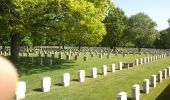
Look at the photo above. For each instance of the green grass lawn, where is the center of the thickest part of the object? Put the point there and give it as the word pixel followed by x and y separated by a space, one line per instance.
pixel 102 88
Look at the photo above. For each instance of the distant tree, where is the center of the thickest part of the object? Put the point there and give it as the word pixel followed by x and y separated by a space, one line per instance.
pixel 163 42
pixel 85 23
pixel 115 23
pixel 142 30
pixel 169 22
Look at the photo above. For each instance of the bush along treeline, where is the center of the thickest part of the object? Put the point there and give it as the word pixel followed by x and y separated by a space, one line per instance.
pixel 73 23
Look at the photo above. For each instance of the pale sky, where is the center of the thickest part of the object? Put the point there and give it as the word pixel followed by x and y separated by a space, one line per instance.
pixel 158 10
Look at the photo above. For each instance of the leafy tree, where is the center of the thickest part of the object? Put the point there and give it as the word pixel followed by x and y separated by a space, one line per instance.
pixel 169 22
pixel 142 30
pixel 115 23
pixel 85 26
pixel 163 42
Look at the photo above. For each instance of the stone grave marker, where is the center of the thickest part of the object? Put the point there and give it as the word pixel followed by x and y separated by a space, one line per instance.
pixel 45 84
pixel 81 75
pixel 113 68
pixel 160 76
pixel 153 81
pixel 20 90
pixel 120 65
pixel 122 96
pixel 94 72
pixel 104 70
pixel 136 92
pixel 66 79
pixel 146 86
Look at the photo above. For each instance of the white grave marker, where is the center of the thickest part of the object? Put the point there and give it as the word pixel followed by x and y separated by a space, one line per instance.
pixel 46 84
pixel 94 72
pixel 66 79
pixel 81 75
pixel 122 96
pixel 20 91
pixel 146 86
pixel 104 70
pixel 136 92
pixel 120 65
pixel 153 81
pixel 113 68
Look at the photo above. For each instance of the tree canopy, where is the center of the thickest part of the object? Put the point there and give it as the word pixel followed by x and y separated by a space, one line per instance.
pixel 115 23
pixel 142 30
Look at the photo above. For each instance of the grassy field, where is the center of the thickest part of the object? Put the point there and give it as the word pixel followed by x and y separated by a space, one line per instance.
pixel 101 88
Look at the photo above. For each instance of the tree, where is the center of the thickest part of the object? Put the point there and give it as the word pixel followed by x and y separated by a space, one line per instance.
pixel 142 30
pixel 169 22
pixel 16 16
pixel 115 23
pixel 84 23
pixel 163 42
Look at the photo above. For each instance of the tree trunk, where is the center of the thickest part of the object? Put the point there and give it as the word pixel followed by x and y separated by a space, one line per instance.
pixel 139 49
pixel 63 45
pixel 111 47
pixel 59 45
pixel 114 48
pixel 15 38
pixel 79 46
pixel 3 48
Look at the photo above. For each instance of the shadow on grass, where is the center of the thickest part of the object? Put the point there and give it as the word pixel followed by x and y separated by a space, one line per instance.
pixel 76 80
pixel 99 74
pixel 26 67
pixel 37 90
pixel 129 98
pixel 88 76
pixel 165 94
pixel 58 84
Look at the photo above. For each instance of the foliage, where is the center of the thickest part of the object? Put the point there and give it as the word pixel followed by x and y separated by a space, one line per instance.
pixel 163 41
pixel 115 23
pixel 142 30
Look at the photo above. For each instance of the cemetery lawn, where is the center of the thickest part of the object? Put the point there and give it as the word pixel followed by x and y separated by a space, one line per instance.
pixel 102 88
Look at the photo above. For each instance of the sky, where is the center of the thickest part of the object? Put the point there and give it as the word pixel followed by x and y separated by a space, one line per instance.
pixel 157 10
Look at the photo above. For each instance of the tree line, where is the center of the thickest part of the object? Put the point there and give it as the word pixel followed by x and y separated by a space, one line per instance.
pixel 74 23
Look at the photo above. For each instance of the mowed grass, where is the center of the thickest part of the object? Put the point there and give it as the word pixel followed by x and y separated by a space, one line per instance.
pixel 102 88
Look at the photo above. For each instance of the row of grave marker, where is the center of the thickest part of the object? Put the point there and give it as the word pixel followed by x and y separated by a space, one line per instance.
pixel 46 81
pixel 146 85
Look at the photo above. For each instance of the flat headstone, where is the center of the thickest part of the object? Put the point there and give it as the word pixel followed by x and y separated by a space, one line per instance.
pixel 81 75
pixel 113 68
pixel 20 90
pixel 146 86
pixel 66 79
pixel 122 96
pixel 94 72
pixel 45 84
pixel 136 92
pixel 104 70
